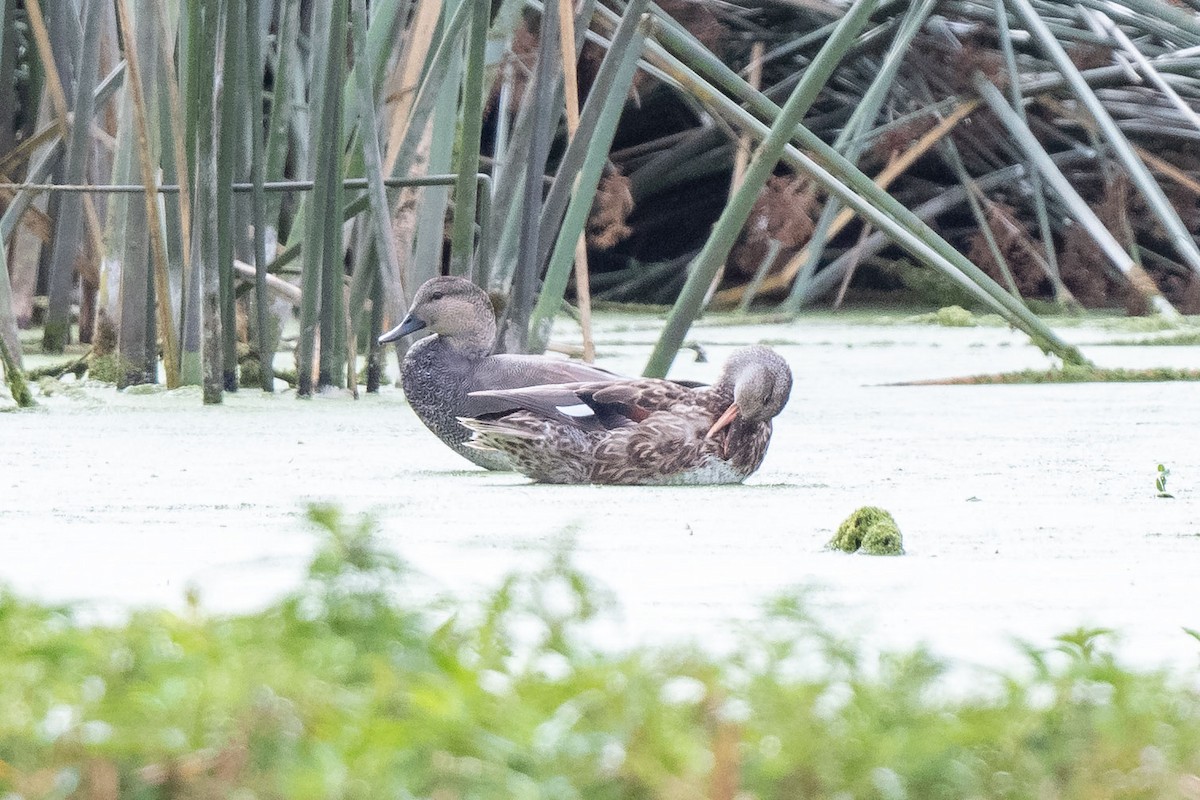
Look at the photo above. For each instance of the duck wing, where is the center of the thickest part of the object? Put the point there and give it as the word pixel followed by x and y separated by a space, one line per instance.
pixel 588 406
pixel 501 384
pixel 509 371
pixel 634 400
pixel 559 402
pixel 581 395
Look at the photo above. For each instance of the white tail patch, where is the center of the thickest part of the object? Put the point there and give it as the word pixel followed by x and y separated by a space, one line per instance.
pixel 579 410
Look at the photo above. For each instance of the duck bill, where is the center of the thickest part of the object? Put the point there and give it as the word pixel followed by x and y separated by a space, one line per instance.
pixel 723 421
pixel 410 324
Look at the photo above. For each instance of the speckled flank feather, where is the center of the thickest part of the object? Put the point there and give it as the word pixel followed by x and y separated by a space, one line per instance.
pixel 520 437
pixel 657 431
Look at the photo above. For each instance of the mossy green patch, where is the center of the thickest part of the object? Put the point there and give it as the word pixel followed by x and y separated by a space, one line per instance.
pixel 951 317
pixel 959 317
pixel 107 368
pixel 53 386
pixel 77 367
pixel 288 376
pixel 249 372
pixel 928 285
pixel 144 388
pixel 1151 323
pixel 113 368
pixel 883 539
pixel 871 530
pixel 1182 339
pixel 15 378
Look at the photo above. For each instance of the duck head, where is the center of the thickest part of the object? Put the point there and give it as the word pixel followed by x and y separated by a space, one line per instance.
pixel 453 308
pixel 762 383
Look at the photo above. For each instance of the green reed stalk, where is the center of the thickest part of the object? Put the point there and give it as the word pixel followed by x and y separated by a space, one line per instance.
pixel 329 166
pixel 462 233
pixel 255 59
pixel 544 118
pixel 203 318
pixel 8 322
pixel 232 110
pixel 69 224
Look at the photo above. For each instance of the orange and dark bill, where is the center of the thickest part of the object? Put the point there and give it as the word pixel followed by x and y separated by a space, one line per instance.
pixel 723 421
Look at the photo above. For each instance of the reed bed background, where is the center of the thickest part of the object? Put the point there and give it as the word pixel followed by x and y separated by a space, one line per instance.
pixel 235 179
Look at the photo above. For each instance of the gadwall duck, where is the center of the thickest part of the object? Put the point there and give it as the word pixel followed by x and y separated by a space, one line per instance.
pixel 440 372
pixel 640 431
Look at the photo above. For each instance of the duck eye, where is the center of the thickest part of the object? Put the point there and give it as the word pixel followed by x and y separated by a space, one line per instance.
pixel 436 296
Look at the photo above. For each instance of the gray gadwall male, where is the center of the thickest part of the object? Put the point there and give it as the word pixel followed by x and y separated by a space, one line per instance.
pixel 440 372
pixel 640 431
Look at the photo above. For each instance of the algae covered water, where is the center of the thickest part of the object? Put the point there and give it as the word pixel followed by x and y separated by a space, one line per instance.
pixel 1026 511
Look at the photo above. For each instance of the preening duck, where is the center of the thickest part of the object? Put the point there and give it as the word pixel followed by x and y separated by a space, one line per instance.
pixel 643 431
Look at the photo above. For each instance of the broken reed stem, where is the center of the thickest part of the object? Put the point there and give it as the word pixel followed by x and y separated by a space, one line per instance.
pixel 764 266
pixel 741 158
pixel 41 38
pixel 178 141
pixel 855 255
pixel 1170 170
pixel 158 247
pixel 583 291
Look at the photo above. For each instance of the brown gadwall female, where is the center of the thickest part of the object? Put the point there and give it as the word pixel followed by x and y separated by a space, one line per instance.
pixel 640 431
pixel 440 372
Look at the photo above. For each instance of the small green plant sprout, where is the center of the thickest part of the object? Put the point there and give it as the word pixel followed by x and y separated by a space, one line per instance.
pixel 1161 482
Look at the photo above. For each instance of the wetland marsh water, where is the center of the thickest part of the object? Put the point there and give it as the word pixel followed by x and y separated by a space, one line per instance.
pixel 1027 511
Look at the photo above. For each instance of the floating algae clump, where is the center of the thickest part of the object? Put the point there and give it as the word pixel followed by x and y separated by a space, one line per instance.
pixel 954 317
pixel 947 317
pixel 871 530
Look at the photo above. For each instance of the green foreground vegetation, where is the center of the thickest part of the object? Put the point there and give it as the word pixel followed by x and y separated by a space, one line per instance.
pixel 345 689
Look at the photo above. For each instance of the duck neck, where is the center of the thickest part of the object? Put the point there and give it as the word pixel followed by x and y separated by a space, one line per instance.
pixel 474 343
